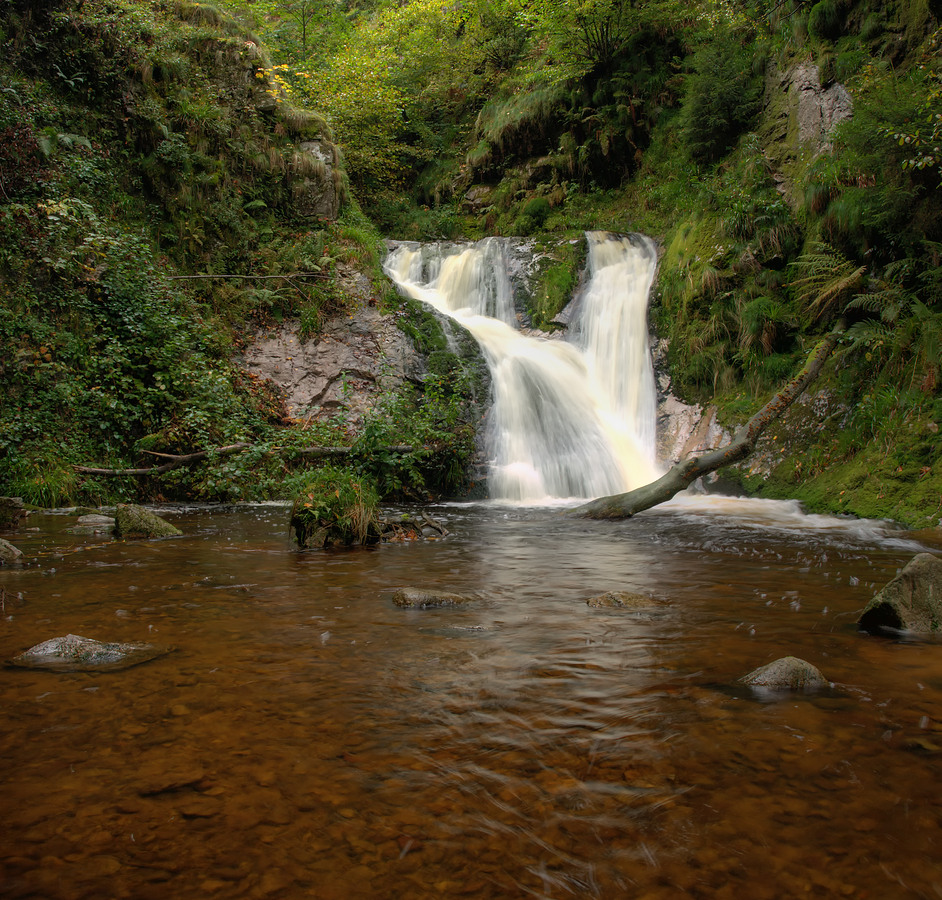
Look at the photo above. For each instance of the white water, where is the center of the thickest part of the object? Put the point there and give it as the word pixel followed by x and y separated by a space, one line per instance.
pixel 571 419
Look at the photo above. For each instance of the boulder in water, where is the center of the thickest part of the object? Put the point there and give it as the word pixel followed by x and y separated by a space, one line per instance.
pixel 622 600
pixel 417 598
pixel 910 602
pixel 73 653
pixel 9 553
pixel 786 674
pixel 137 522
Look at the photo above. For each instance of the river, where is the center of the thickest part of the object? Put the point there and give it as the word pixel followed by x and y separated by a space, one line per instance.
pixel 306 738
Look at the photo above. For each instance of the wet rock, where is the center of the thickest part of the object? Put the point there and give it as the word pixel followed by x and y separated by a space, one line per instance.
pixel 137 522
pixel 621 600
pixel 79 654
pixel 786 674
pixel 11 511
pixel 96 519
pixel 910 602
pixel 93 523
pixel 9 553
pixel 417 598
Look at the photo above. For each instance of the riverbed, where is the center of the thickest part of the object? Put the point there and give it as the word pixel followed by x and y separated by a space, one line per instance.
pixel 307 738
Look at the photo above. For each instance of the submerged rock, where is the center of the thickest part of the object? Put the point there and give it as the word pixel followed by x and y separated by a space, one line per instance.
pixel 136 522
pixel 417 598
pixel 910 602
pixel 622 600
pixel 95 519
pixel 73 653
pixel 9 553
pixel 786 674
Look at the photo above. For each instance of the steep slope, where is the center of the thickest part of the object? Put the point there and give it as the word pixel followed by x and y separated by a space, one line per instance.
pixel 160 198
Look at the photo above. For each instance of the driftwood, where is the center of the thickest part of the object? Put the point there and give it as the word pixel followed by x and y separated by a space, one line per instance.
pixel 682 475
pixel 189 459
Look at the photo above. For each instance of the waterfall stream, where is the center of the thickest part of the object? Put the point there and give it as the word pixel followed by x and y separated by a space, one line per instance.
pixel 571 418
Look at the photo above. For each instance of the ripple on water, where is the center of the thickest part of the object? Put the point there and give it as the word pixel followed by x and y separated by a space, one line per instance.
pixel 310 739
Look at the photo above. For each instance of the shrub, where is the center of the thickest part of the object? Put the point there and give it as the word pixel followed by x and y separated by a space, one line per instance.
pixel 335 507
pixel 721 100
pixel 824 20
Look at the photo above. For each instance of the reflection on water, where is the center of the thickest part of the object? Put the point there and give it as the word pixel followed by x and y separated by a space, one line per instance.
pixel 308 739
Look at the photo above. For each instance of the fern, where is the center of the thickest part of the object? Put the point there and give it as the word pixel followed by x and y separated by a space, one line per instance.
pixel 826 281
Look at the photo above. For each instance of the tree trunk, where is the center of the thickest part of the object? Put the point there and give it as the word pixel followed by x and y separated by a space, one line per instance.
pixel 682 475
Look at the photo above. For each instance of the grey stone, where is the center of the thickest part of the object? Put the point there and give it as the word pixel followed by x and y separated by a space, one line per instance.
pixel 96 520
pixel 73 653
pixel 622 600
pixel 9 553
pixel 316 194
pixel 418 598
pixel 819 109
pixel 786 674
pixel 137 522
pixel 347 366
pixel 910 602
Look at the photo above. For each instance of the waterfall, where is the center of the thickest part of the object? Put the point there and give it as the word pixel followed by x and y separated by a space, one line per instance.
pixel 571 418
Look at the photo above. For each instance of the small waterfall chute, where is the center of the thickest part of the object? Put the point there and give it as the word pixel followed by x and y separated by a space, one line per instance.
pixel 571 419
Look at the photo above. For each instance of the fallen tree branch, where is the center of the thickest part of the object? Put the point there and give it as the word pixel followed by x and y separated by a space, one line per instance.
pixel 188 459
pixel 682 475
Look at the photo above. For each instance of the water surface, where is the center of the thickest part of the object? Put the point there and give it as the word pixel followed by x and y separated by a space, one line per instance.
pixel 309 739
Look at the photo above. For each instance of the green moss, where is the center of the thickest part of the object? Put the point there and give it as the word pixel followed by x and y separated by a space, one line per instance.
pixel 559 263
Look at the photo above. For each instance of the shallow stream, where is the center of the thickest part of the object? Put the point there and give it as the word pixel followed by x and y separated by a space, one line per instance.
pixel 306 738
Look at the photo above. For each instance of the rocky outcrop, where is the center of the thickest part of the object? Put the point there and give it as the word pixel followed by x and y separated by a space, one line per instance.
pixel 73 653
pixel 799 116
pixel 11 511
pixel 346 367
pixel 315 186
pixel 418 598
pixel 786 674
pixel 817 109
pixel 910 602
pixel 137 522
pixel 683 429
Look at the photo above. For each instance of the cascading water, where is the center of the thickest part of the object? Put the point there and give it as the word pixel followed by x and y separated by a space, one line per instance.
pixel 571 419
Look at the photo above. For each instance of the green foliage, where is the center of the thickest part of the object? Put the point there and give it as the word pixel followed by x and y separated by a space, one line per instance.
pixel 721 97
pixel 434 423
pixel 825 19
pixel 335 507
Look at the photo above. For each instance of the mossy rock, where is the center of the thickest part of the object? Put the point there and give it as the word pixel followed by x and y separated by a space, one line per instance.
pixel 418 598
pixel 622 600
pixel 11 511
pixel 9 553
pixel 786 674
pixel 74 653
pixel 137 522
pixel 910 602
